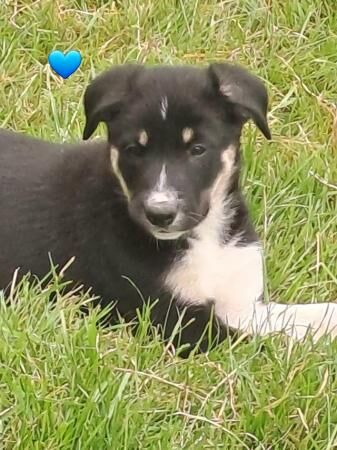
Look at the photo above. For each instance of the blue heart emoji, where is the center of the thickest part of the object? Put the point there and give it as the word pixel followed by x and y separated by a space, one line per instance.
pixel 65 64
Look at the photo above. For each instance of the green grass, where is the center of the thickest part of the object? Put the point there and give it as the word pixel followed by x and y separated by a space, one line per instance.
pixel 65 383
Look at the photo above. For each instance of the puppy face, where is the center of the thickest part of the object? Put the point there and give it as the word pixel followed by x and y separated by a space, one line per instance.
pixel 167 149
pixel 173 141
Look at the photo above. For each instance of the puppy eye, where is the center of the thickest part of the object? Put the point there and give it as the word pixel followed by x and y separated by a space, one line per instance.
pixel 135 150
pixel 197 150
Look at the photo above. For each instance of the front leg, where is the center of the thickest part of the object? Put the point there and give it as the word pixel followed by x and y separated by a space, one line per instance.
pixel 244 309
pixel 297 321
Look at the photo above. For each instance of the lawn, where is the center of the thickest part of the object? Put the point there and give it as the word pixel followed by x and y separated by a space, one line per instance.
pixel 67 384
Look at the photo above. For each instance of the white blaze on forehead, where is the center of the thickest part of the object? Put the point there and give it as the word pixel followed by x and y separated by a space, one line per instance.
pixel 163 107
pixel 187 135
pixel 143 138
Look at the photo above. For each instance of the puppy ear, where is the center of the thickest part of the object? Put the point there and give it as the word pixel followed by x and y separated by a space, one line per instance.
pixel 245 92
pixel 105 96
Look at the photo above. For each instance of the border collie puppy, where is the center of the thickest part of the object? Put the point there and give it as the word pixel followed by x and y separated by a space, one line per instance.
pixel 155 213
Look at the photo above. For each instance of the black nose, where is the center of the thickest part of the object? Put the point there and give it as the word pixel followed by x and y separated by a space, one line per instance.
pixel 161 216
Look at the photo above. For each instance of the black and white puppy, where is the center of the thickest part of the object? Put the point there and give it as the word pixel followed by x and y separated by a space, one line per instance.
pixel 156 212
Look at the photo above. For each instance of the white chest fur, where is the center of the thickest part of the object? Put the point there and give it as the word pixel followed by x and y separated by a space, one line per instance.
pixel 230 275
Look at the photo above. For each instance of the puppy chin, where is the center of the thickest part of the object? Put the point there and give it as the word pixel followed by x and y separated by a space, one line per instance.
pixel 167 235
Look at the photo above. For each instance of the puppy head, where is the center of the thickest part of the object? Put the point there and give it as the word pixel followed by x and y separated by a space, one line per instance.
pixel 174 135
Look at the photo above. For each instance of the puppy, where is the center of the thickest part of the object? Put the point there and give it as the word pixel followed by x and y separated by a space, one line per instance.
pixel 155 213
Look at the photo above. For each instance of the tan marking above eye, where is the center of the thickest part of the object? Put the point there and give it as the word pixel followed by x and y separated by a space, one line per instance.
pixel 143 138
pixel 187 135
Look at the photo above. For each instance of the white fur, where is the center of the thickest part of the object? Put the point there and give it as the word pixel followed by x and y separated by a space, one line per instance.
pixel 163 107
pixel 295 320
pixel 162 182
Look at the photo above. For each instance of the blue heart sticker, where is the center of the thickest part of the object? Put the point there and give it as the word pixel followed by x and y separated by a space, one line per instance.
pixel 64 64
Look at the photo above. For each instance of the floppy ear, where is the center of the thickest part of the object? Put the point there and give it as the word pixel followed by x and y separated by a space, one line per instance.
pixel 245 92
pixel 104 97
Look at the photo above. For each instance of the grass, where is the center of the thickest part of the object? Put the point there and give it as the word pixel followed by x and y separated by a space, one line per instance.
pixel 65 383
